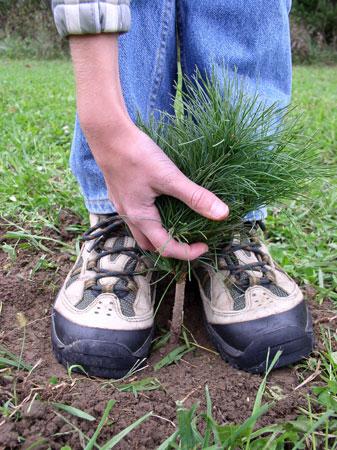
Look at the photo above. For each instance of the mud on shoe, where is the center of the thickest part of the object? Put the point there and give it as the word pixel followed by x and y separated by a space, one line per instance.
pixel 252 307
pixel 102 318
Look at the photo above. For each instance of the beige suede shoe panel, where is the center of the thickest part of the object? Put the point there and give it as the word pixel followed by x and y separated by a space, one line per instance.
pixel 119 303
pixel 256 300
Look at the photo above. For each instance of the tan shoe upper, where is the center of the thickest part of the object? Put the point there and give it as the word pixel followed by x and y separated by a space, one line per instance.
pixel 101 290
pixel 247 286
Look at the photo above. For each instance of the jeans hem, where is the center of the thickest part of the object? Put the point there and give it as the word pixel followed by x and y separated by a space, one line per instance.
pixel 99 206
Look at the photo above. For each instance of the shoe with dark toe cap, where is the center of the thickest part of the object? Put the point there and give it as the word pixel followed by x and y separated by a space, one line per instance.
pixel 102 319
pixel 252 308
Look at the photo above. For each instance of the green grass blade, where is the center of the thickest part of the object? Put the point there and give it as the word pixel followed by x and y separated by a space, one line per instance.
pixel 260 392
pixel 146 384
pixel 174 356
pixel 188 437
pixel 313 427
pixel 167 444
pixel 5 362
pixel 209 419
pixel 74 411
pixel 243 430
pixel 114 441
pixel 108 408
pixel 7 358
pixel 197 435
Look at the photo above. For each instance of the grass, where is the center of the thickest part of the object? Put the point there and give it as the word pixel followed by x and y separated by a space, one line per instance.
pixel 90 443
pixel 314 428
pixel 37 114
pixel 37 108
pixel 46 44
pixel 304 239
pixel 36 122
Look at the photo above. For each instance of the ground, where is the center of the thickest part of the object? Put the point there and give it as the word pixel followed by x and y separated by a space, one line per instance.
pixel 42 215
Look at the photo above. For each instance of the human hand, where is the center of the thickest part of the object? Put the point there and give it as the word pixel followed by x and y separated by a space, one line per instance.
pixel 136 172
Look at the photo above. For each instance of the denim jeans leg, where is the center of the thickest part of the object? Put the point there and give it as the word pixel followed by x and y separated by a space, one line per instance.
pixel 250 36
pixel 148 70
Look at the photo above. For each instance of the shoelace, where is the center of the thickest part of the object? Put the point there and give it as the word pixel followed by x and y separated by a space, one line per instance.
pixel 112 226
pixel 238 271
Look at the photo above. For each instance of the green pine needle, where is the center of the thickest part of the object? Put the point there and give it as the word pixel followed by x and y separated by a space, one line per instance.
pixel 234 144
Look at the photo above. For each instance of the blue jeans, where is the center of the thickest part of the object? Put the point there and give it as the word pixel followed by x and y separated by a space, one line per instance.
pixel 249 35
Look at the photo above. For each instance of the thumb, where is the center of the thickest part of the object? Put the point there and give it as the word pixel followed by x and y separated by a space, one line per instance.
pixel 198 198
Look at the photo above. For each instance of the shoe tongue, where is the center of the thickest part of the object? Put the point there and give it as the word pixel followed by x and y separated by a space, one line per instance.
pixel 118 243
pixel 244 257
pixel 117 262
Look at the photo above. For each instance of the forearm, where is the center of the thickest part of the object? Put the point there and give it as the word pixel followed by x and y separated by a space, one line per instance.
pixel 99 95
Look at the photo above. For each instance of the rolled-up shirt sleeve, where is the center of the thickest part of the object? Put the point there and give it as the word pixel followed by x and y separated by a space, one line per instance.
pixel 91 16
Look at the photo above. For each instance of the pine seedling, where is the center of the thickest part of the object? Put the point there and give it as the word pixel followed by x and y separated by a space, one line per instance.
pixel 233 143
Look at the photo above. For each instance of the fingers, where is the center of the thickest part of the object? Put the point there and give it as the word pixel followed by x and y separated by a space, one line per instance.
pixel 170 248
pixel 141 239
pixel 158 238
pixel 198 198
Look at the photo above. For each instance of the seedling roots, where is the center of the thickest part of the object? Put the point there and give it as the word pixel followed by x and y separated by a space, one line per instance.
pixel 178 310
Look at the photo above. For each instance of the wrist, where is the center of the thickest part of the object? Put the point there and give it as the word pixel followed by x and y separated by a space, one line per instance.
pixel 109 138
pixel 102 117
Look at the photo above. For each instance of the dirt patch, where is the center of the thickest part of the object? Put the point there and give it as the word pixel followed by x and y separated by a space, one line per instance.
pixel 27 289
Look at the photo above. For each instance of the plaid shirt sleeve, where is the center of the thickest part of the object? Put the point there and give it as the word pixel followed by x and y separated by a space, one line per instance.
pixel 91 16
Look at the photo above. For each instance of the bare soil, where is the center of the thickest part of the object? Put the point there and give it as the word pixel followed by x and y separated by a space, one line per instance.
pixel 232 391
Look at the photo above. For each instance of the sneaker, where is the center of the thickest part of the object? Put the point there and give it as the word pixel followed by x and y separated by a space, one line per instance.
pixel 102 319
pixel 252 308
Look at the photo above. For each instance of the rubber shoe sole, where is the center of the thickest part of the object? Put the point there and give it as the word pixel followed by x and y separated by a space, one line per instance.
pixel 295 342
pixel 102 353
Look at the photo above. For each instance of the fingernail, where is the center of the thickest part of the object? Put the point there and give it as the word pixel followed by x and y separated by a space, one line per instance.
pixel 219 210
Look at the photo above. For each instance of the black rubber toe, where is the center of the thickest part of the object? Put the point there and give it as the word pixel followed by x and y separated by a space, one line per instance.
pixel 245 345
pixel 101 353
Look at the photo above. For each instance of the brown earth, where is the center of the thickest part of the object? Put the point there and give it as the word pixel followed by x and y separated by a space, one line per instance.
pixel 232 391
